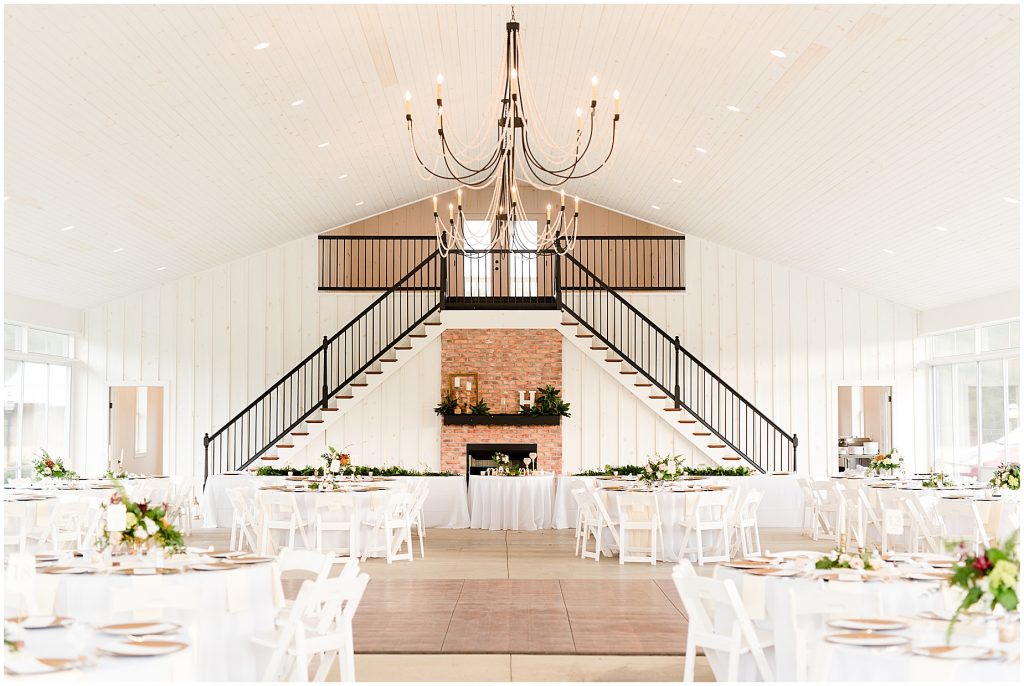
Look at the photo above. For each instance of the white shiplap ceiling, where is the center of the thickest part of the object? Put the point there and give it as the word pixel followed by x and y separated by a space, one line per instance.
pixel 160 130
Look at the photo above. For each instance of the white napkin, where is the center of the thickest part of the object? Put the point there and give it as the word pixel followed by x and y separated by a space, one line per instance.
pixel 237 588
pixel 754 595
pixel 23 663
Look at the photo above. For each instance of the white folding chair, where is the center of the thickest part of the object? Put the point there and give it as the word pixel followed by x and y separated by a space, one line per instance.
pixel 319 624
pixel 337 512
pixel 309 565
pixel 420 493
pixel 925 525
pixel 961 521
pixel 280 512
pixel 810 607
pixel 825 504
pixel 394 522
pixel 807 516
pixel 638 514
pixel 16 524
pixel 744 521
pixel 181 503
pixel 706 512
pixel 69 523
pixel 703 598
pixel 245 525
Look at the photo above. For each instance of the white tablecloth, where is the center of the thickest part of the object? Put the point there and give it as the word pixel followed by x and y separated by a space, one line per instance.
pixel 782 505
pixel 768 602
pixel 517 503
pixel 228 607
pixel 81 639
pixel 446 506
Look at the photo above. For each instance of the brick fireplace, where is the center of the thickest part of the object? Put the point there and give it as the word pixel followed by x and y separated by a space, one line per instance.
pixel 507 361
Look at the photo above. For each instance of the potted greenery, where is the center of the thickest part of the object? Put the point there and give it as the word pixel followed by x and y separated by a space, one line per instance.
pixel 548 403
pixel 480 407
pixel 447 405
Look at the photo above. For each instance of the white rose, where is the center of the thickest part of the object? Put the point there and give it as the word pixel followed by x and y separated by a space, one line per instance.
pixel 857 563
pixel 151 526
pixel 140 533
pixel 844 558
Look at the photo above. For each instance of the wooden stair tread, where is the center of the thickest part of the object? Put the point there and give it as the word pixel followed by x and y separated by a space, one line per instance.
pixel 733 459
pixel 687 421
pixel 584 335
pixel 403 347
pixel 299 433
pixel 361 384
pixel 417 335
pixel 328 409
pixel 374 371
pixel 672 409
pixel 314 421
pixel 431 323
pixel 390 359
pixel 599 347
pixel 285 445
pixel 270 457
pixel 701 433
pixel 343 397
pixel 614 360
pixel 658 397
pixel 627 371
pixel 718 445
pixel 570 323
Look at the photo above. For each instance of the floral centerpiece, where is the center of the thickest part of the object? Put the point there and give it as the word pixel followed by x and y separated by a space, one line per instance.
pixel 990 577
pixel 503 465
pixel 887 463
pixel 660 468
pixel 47 467
pixel 938 480
pixel 840 559
pixel 1007 475
pixel 138 526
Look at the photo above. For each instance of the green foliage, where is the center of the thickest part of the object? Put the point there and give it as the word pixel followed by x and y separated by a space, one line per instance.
pixel 548 403
pixel 356 470
pixel 1007 475
pixel 144 521
pixel 840 559
pixel 48 467
pixel 480 407
pixel 994 573
pixel 938 480
pixel 635 470
pixel 447 405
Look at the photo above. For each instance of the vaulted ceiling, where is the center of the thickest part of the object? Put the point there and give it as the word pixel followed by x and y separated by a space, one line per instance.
pixel 171 145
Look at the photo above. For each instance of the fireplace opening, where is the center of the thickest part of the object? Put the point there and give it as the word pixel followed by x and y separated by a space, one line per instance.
pixel 478 455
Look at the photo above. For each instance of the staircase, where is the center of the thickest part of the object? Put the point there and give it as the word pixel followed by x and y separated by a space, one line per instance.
pixel 393 328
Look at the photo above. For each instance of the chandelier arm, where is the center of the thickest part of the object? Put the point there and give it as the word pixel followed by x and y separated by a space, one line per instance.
pixel 447 150
pixel 579 155
pixel 583 175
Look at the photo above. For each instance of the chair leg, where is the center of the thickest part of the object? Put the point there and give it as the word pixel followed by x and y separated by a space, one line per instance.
pixel 689 660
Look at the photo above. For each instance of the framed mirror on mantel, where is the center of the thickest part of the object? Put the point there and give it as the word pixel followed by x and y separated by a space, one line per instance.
pixel 864 424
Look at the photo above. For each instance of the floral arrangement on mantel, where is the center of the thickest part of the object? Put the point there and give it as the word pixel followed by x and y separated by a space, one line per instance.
pixel 1007 475
pixel 137 526
pixel 938 480
pixel 890 462
pixel 990 577
pixel 47 467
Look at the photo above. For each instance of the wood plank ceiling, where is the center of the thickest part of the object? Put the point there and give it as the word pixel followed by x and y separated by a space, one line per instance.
pixel 162 132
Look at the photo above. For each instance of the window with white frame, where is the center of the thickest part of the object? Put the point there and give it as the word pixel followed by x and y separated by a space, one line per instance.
pixel 975 378
pixel 37 396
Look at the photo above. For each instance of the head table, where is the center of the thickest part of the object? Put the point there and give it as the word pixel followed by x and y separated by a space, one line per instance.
pixel 887 592
pixel 516 503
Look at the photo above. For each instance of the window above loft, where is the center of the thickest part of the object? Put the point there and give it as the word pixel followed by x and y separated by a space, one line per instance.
pixel 31 341
pixel 978 340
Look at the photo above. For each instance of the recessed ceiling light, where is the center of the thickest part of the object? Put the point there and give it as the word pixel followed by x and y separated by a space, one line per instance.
pixel 888 252
pixel 776 53
pixel 843 269
pixel 1012 201
pixel 118 249
pixel 323 145
pixel 160 269
pixel 699 149
pixel 732 108
pixel 343 176
pixel 655 207
pixel 359 203
pixel 677 180
pixel 68 228
pixel 941 228
pixel 261 46
pixel 296 103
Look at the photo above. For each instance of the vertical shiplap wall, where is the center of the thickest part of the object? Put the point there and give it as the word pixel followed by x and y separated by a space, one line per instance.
pixel 217 339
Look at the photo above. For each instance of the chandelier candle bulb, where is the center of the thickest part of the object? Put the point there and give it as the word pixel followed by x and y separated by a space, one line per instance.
pixel 577 204
pixel 593 91
pixel 440 82
pixel 451 212
pixel 435 205
pixel 579 119
pixel 562 195
pixel 549 213
pixel 615 97
pixel 408 103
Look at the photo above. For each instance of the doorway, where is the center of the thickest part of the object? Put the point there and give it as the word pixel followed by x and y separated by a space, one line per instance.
pixel 137 429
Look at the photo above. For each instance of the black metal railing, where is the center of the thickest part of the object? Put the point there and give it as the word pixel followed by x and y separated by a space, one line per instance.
pixel 372 263
pixel 662 360
pixel 635 263
pixel 369 263
pixel 507 279
pixel 336 363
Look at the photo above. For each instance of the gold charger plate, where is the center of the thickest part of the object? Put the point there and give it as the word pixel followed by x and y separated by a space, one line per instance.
pixel 67 570
pixel 31 623
pixel 158 648
pixel 135 571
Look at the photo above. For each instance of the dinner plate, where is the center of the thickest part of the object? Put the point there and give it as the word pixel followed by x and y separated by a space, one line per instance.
pixel 226 553
pixel 41 621
pixel 67 570
pixel 250 560
pixel 928 576
pixel 867 638
pixel 773 571
pixel 744 564
pixel 23 664
pixel 146 571
pixel 147 648
pixel 868 624
pixel 957 652
pixel 847 576
pixel 141 628
pixel 213 567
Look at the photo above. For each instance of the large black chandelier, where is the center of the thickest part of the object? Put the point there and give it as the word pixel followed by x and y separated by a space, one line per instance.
pixel 513 152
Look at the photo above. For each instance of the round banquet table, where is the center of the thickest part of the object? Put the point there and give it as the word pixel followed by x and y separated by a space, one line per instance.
pixel 79 639
pixel 673 505
pixel 446 506
pixel 513 503
pixel 767 600
pixel 226 609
